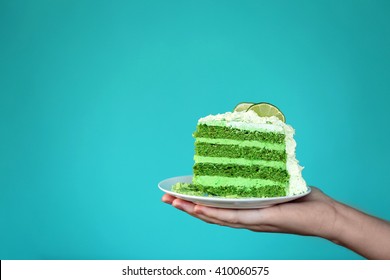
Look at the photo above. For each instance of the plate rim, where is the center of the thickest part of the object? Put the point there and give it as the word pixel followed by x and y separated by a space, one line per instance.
pixel 235 200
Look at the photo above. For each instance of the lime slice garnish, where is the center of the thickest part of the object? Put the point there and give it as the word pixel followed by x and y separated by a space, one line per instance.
pixel 243 106
pixel 267 110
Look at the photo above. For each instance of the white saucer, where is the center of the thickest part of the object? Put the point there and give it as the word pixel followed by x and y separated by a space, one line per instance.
pixel 235 203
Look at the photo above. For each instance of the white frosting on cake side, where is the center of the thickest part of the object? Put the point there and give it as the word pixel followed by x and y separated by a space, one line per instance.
pixel 297 183
pixel 251 121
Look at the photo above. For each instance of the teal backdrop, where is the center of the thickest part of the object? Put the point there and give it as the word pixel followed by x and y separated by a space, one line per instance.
pixel 98 101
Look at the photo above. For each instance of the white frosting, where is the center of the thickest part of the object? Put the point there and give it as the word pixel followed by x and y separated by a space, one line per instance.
pixel 251 121
pixel 245 120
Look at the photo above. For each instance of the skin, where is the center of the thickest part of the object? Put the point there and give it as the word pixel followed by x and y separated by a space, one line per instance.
pixel 315 215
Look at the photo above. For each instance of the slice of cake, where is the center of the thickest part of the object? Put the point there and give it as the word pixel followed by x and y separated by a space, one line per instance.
pixel 241 154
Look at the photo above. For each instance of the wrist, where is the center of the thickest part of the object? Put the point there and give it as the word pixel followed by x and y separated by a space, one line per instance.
pixel 333 226
pixel 341 224
pixel 364 234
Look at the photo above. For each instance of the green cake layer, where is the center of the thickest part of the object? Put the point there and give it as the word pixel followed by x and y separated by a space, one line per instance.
pixel 216 181
pixel 223 132
pixel 230 191
pixel 245 171
pixel 237 151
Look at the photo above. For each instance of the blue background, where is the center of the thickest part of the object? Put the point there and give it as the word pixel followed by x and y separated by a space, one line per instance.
pixel 98 101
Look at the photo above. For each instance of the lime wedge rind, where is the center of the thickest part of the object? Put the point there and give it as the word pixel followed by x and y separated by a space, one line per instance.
pixel 243 106
pixel 265 109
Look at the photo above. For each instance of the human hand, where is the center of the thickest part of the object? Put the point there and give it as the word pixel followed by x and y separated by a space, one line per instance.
pixel 314 214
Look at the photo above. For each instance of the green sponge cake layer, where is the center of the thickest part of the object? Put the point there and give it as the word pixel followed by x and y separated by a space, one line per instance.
pixel 216 181
pixel 238 187
pixel 237 151
pixel 245 171
pixel 231 191
pixel 223 132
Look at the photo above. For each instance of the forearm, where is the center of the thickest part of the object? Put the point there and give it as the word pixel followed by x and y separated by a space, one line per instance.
pixel 364 234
